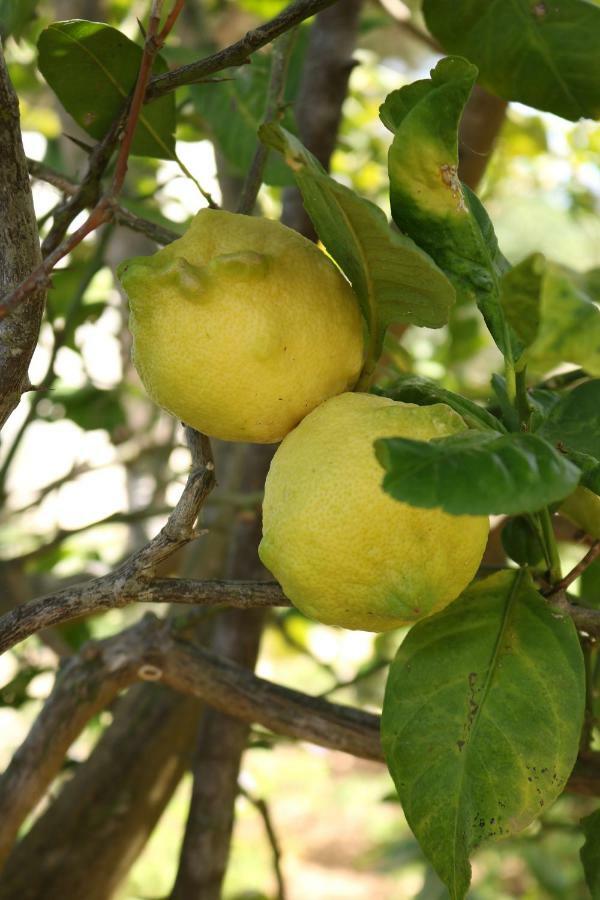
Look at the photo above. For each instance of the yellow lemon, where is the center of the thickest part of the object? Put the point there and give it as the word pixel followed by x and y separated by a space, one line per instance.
pixel 346 553
pixel 242 326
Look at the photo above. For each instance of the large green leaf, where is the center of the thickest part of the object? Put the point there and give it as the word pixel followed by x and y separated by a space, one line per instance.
pixel 429 203
pixel 481 719
pixel 92 68
pixel 476 472
pixel 544 54
pixel 395 281
pixel 424 392
pixel 590 853
pixel 575 420
pixel 553 318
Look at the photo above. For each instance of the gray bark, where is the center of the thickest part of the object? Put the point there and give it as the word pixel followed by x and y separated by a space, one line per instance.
pixel 19 252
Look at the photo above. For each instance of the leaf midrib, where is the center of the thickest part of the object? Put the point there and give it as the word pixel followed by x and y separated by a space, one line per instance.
pixel 508 608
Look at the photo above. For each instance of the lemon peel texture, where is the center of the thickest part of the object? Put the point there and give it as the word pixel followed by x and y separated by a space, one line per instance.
pixel 242 326
pixel 345 552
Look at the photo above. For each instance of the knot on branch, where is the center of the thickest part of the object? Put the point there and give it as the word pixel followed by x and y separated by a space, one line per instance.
pixel 148 672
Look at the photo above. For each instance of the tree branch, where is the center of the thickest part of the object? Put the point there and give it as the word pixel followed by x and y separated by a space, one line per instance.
pixel 154 650
pixel 221 739
pixel 262 809
pixel 562 585
pixel 282 49
pixel 86 685
pixel 121 215
pixel 19 252
pixel 237 54
pixel 129 581
pixel 104 210
pixel 323 89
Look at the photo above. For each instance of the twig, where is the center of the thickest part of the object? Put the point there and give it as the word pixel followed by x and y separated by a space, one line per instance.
pixel 132 579
pixel 122 216
pixel 262 809
pixel 585 620
pixel 236 54
pixel 562 585
pixel 402 17
pixel 117 590
pixel 105 208
pixel 282 49
pixel 60 336
pixel 63 534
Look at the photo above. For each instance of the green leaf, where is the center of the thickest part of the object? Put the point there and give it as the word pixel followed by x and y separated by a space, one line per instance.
pixel 15 16
pixel 395 281
pixel 92 68
pixel 481 719
pixel 544 54
pixel 521 542
pixel 588 466
pixel 429 203
pixel 552 316
pixel 423 392
pixel 90 407
pixel 476 473
pixel 234 110
pixel 575 420
pixel 590 853
pixel 589 592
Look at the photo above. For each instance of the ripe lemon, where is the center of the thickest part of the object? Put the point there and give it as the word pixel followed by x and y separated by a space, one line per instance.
pixel 242 326
pixel 345 552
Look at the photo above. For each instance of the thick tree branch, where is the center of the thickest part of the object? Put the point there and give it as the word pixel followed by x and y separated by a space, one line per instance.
pixel 221 739
pixel 156 650
pixel 19 252
pixel 86 685
pixel 238 53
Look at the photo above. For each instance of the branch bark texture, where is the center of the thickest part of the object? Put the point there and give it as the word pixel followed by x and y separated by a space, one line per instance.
pixel 19 251
pixel 222 738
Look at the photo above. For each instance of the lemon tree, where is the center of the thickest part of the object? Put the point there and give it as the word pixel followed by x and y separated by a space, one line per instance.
pixel 457 515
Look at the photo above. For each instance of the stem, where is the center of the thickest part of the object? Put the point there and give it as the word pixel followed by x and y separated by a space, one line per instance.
pixel 522 400
pixel 509 366
pixel 550 546
pixel 282 49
